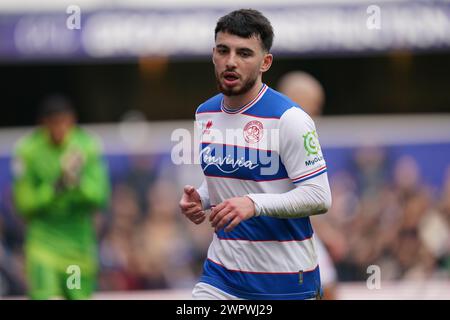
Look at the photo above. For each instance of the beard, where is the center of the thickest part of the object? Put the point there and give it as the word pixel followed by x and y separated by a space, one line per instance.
pixel 246 86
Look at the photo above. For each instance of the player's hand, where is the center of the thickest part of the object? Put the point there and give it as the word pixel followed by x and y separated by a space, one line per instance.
pixel 191 205
pixel 71 165
pixel 232 211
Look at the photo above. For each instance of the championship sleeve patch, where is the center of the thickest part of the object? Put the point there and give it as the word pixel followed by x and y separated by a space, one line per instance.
pixel 311 143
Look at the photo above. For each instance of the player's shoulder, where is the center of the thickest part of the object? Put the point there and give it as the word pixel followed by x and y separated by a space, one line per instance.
pixel 87 139
pixel 290 113
pixel 296 118
pixel 30 142
pixel 273 104
pixel 213 104
pixel 297 113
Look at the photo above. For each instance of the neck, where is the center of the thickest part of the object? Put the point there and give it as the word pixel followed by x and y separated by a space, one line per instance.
pixel 235 102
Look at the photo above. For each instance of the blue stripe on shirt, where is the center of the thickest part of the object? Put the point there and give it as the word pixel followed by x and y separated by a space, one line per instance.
pixel 270 229
pixel 229 161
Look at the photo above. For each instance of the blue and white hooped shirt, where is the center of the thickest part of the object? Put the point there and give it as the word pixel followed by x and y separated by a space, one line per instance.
pixel 270 145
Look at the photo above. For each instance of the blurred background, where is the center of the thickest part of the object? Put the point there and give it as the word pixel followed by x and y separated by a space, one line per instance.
pixel 136 70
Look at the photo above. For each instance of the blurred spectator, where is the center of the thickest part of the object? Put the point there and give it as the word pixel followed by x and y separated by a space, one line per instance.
pixel 171 260
pixel 142 174
pixel 12 282
pixel 435 229
pixel 116 246
pixel 304 90
pixel 135 252
pixel 59 182
pixel 397 228
pixel 371 169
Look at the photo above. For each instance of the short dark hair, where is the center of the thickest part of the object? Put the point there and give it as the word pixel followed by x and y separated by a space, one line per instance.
pixel 246 23
pixel 55 104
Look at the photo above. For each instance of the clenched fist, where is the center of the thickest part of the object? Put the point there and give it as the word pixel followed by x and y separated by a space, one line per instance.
pixel 191 205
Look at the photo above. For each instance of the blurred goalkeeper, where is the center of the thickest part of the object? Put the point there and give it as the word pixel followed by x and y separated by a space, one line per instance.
pixel 60 181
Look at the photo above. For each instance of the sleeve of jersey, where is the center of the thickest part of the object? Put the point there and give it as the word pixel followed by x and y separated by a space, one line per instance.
pixel 204 195
pixel 302 157
pixel 309 198
pixel 300 149
pixel 203 189
pixel 29 195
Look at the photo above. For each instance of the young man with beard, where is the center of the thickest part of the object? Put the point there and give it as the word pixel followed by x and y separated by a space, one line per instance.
pixel 261 184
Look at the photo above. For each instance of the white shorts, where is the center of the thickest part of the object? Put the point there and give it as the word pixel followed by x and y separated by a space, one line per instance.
pixel 204 291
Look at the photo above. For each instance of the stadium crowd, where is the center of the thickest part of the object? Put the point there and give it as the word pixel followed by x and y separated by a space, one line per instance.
pixel 380 216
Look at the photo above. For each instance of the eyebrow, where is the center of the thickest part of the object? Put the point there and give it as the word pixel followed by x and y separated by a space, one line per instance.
pixel 222 46
pixel 244 49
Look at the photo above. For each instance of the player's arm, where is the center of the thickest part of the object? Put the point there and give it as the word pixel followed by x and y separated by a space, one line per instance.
pixel 93 187
pixel 309 198
pixel 203 189
pixel 194 202
pixel 30 194
pixel 301 154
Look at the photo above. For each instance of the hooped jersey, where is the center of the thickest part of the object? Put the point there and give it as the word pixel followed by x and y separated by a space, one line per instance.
pixel 268 146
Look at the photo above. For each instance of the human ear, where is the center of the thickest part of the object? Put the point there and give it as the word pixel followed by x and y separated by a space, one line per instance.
pixel 267 62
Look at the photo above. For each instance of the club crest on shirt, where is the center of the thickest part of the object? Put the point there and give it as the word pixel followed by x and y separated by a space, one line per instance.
pixel 253 131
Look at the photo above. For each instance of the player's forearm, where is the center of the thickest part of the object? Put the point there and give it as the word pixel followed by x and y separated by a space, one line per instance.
pixel 30 198
pixel 204 195
pixel 94 186
pixel 310 198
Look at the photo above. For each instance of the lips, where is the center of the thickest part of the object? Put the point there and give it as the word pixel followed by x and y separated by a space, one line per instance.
pixel 230 78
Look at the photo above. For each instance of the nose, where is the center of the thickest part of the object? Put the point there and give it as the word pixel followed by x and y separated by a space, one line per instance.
pixel 231 61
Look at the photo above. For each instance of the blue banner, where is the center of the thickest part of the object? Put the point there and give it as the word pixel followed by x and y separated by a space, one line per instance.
pixel 299 30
